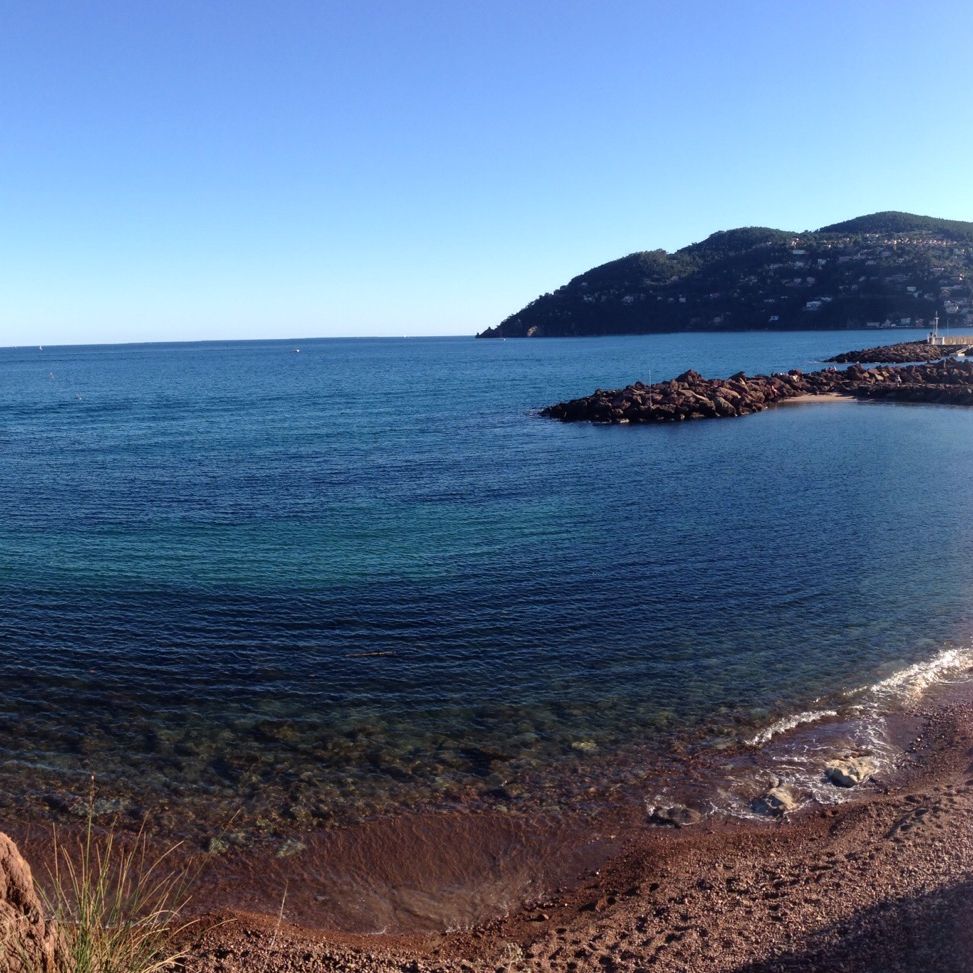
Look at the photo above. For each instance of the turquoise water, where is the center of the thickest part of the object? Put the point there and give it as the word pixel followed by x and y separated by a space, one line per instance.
pixel 304 586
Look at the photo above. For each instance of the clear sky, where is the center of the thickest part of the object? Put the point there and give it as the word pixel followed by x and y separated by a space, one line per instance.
pixel 198 169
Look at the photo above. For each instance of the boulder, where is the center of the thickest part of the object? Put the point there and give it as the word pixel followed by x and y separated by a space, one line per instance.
pixel 690 377
pixel 723 407
pixel 780 800
pixel 850 771
pixel 675 816
pixel 27 940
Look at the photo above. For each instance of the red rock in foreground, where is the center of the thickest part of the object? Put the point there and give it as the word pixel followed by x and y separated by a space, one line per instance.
pixel 26 939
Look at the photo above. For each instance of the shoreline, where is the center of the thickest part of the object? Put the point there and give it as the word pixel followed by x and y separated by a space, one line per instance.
pixel 617 892
pixel 523 883
pixel 865 885
pixel 552 888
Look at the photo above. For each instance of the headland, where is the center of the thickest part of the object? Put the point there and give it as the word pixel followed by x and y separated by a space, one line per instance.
pixel 883 271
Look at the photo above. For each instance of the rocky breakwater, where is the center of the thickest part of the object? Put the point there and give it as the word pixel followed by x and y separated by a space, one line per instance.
pixel 690 396
pixel 946 382
pixel 902 353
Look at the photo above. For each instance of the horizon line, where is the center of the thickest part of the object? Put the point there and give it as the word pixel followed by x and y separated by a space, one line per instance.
pixel 223 341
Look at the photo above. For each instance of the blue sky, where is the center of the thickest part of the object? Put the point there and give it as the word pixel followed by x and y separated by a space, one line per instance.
pixel 184 170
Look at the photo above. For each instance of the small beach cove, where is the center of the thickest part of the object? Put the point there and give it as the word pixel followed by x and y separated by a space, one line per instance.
pixel 417 749
pixel 876 869
pixel 376 594
pixel 827 398
pixel 880 882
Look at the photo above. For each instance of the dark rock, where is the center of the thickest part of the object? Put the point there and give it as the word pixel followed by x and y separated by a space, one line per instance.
pixel 676 816
pixel 690 377
pixel 898 354
pixel 693 397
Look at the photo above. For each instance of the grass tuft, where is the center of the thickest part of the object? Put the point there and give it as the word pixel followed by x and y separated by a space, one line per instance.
pixel 117 907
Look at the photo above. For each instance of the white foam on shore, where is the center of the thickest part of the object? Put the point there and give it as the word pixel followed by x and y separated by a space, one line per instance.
pixel 905 685
pixel 788 723
pixel 912 681
pixel 859 725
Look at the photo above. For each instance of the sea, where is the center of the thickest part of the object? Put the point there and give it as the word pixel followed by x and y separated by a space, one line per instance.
pixel 264 589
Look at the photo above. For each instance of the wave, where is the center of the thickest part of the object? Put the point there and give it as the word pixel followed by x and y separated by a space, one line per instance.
pixel 912 681
pixel 788 723
pixel 793 753
pixel 905 685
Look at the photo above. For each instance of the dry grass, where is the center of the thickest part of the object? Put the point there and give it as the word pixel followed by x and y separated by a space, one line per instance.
pixel 116 906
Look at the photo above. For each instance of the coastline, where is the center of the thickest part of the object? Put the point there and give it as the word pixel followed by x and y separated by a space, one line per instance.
pixel 884 882
pixel 862 884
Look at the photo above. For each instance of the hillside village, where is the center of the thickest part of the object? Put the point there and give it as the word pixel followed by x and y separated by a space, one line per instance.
pixel 883 271
pixel 915 275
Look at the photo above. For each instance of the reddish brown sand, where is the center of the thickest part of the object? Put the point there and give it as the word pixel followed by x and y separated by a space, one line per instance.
pixel 884 883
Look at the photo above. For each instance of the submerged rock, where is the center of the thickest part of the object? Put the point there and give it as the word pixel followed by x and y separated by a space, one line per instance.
pixel 292 846
pixel 850 771
pixel 585 746
pixel 675 816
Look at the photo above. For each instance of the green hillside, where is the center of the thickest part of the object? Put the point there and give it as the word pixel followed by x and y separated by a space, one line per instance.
pixel 879 270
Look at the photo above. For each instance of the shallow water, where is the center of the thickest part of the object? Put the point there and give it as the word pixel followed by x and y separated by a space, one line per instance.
pixel 288 589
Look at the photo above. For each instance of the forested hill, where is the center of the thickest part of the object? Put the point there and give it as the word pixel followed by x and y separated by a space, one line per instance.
pixel 882 269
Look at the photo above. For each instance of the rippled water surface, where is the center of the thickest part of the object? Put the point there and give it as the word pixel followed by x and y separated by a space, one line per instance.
pixel 301 586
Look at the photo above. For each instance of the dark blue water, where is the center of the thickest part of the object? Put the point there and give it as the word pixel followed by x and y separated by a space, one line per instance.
pixel 305 586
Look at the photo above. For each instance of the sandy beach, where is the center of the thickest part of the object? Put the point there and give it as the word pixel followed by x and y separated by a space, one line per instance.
pixel 827 397
pixel 881 883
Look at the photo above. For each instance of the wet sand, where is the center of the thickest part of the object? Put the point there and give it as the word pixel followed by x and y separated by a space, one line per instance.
pixel 881 883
